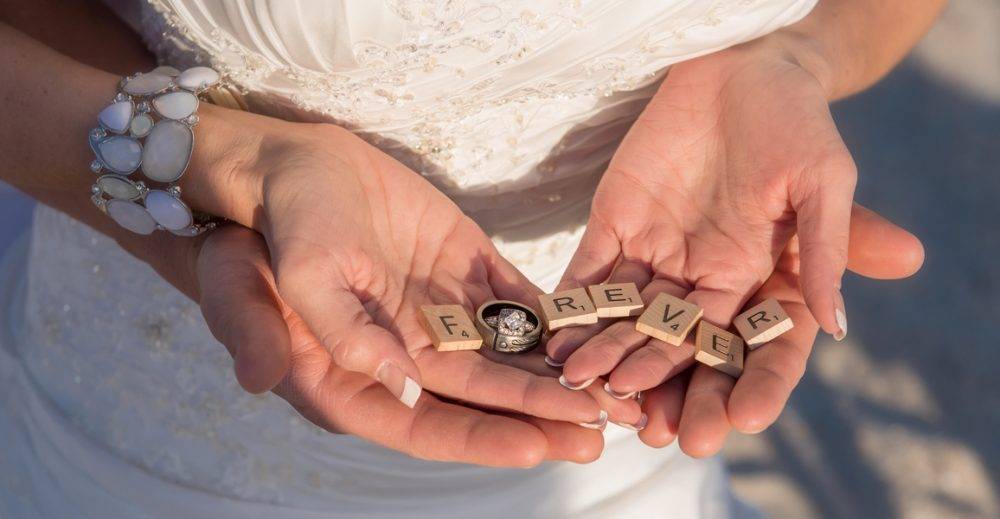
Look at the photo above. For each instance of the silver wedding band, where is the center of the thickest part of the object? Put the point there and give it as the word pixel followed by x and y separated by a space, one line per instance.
pixel 508 342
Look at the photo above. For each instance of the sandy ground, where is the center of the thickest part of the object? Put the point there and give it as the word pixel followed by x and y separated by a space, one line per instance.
pixel 902 419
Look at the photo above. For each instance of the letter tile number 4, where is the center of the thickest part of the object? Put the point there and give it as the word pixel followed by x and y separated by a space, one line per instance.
pixel 450 328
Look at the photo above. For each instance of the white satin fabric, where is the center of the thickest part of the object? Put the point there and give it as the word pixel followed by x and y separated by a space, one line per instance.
pixel 118 403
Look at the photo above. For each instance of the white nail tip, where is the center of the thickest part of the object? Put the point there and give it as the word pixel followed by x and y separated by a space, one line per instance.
pixel 583 385
pixel 842 324
pixel 615 394
pixel 411 393
pixel 638 426
pixel 553 362
pixel 602 420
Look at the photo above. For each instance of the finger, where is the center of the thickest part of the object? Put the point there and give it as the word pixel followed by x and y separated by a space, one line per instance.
pixel 822 200
pixel 594 258
pixel 507 282
pixel 880 249
pixel 772 371
pixel 568 442
pixel 625 412
pixel 605 352
pixel 704 423
pixel 434 430
pixel 471 377
pixel 339 320
pixel 567 340
pixel 238 302
pixel 663 405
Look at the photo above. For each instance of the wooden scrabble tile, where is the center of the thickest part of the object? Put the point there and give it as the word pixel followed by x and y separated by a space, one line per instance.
pixel 718 348
pixel 763 323
pixel 616 299
pixel 668 319
pixel 567 308
pixel 450 328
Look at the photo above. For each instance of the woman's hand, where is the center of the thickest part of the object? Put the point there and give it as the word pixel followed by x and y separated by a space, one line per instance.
pixel 699 406
pixel 227 272
pixel 735 154
pixel 358 243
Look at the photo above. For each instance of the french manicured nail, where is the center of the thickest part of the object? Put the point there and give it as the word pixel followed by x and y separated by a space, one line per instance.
pixel 602 420
pixel 553 362
pixel 615 394
pixel 638 426
pixel 841 316
pixel 401 386
pixel 582 385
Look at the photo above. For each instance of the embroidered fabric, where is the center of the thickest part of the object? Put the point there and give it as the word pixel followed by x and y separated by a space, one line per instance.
pixel 511 107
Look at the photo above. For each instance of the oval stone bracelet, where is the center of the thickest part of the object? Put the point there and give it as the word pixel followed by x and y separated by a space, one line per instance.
pixel 148 127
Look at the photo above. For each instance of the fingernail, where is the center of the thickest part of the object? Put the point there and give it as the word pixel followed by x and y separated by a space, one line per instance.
pixel 401 386
pixel 615 394
pixel 582 385
pixel 638 426
pixel 640 397
pixel 602 420
pixel 841 317
pixel 553 362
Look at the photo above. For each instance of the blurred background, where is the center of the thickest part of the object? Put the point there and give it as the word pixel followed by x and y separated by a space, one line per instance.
pixel 903 418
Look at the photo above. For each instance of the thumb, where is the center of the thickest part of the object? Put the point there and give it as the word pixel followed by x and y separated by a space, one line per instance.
pixel 240 307
pixel 880 249
pixel 822 200
pixel 594 258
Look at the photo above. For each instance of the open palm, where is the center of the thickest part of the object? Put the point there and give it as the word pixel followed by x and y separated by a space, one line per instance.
pixel 735 154
pixel 358 242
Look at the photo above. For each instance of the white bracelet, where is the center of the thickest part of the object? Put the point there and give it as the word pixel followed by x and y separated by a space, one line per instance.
pixel 149 127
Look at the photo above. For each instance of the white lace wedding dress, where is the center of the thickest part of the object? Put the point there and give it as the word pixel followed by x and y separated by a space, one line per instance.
pixel 117 402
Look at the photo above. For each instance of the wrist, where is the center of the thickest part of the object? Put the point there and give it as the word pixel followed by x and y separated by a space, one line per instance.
pixel 220 180
pixel 806 51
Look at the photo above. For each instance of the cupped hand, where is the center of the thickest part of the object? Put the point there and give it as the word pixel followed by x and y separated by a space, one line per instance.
pixel 227 271
pixel 699 406
pixel 735 154
pixel 358 243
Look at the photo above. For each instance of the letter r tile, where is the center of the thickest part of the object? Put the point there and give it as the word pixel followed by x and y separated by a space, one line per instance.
pixel 567 308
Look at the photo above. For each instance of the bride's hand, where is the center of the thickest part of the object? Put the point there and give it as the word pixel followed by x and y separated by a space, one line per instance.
pixel 735 154
pixel 227 272
pixel 699 406
pixel 358 243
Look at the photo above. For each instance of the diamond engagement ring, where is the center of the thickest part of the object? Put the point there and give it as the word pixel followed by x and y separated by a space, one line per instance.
pixel 508 327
